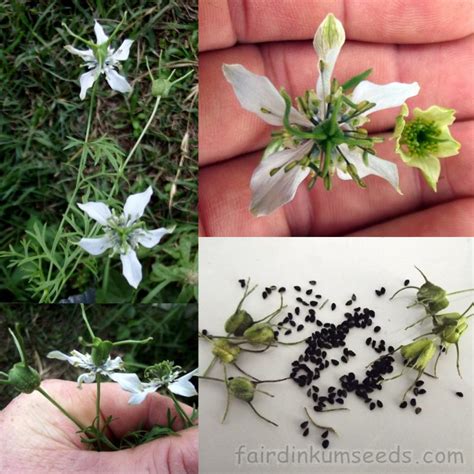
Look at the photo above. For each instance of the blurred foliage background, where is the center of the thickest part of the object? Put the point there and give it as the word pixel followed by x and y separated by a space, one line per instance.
pixel 42 117
pixel 58 327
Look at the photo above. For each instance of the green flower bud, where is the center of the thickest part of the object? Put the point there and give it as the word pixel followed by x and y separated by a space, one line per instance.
pixel 238 323
pixel 260 333
pixel 225 351
pixel 329 37
pixel 24 378
pixel 100 350
pixel 242 388
pixel 161 87
pixel 419 353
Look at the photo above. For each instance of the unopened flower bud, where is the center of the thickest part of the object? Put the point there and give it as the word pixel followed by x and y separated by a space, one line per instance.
pixel 260 333
pixel 242 388
pixel 238 323
pixel 329 37
pixel 24 378
pixel 161 87
pixel 225 351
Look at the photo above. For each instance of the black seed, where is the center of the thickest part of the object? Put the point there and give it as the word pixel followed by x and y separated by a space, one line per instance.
pixel 287 332
pixel 382 290
pixel 379 404
pixel 460 394
pixel 300 327
pixel 351 353
pixel 319 323
pixel 304 425
pixel 305 432
pixel 204 332
pixel 308 292
pixel 242 283
pixel 282 289
pixel 333 306
pixel 297 288
pixel 325 434
pixel 340 401
pixel 313 303
pixel 312 282
pixel 344 359
pixel 417 410
pixel 406 282
pixel 415 391
pixel 325 443
pixel 376 328
pixel 372 405
pixel 422 391
pixel 334 362
pixel 368 340
pixel 403 404
pixel 264 295
pixel 353 297
pixel 391 349
pixel 292 323
pixel 349 302
pixel 419 383
pixel 377 292
pixel 297 311
pixel 413 402
pixel 318 296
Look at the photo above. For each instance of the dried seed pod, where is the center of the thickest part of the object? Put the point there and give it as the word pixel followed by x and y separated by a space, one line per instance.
pixel 238 323
pixel 225 351
pixel 260 333
pixel 242 388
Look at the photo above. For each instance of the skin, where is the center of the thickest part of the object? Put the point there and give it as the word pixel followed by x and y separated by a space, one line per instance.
pixel 36 437
pixel 425 41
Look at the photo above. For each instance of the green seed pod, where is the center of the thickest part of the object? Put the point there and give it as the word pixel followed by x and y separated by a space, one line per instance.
pixel 260 333
pixel 238 323
pixel 419 353
pixel 225 351
pixel 451 333
pixel 432 297
pixel 161 87
pixel 100 350
pixel 24 378
pixel 242 388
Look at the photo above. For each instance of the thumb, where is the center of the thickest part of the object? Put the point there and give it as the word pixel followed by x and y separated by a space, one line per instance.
pixel 170 455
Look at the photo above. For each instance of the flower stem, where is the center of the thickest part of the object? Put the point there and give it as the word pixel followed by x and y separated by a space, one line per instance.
pixel 180 411
pixel 86 321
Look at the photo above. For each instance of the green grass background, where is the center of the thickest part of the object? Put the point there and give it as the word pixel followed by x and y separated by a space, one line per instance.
pixel 41 111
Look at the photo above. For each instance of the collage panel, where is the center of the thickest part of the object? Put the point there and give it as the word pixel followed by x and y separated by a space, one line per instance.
pixel 101 388
pixel 99 158
pixel 336 355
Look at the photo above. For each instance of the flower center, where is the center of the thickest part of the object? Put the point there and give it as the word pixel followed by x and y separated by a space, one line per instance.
pixel 421 136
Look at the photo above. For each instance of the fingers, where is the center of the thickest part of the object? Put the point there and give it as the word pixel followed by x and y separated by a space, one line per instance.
pixel 452 219
pixel 226 130
pixel 224 197
pixel 222 23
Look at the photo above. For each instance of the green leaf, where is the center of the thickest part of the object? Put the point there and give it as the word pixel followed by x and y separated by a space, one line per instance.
pixel 354 81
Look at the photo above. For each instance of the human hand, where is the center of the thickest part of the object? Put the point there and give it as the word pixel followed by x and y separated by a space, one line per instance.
pixel 436 52
pixel 36 437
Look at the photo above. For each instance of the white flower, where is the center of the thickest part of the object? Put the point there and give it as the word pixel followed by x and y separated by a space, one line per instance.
pixel 287 161
pixel 84 361
pixel 123 233
pixel 103 60
pixel 131 383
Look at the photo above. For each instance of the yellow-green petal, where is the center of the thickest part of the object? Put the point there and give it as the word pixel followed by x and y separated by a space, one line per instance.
pixel 430 168
pixel 442 116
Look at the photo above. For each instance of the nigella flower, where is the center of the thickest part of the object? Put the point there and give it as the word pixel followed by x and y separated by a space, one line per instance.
pixel 422 141
pixel 324 134
pixel 123 233
pixel 101 58
pixel 162 375
pixel 85 361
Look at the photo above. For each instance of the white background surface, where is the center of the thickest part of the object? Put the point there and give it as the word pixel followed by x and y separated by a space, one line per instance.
pixel 341 267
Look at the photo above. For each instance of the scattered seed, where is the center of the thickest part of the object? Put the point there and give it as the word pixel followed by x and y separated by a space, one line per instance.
pixel 421 391
pixel 282 289
pixel 312 282
pixel 297 311
pixel 377 329
pixel 264 295
pixel 353 297
pixel 333 306
pixel 334 362
pixel 413 402
pixel 419 383
pixel 305 432
pixel 379 404
pixel 403 404
pixel 304 424
pixel 349 302
pixel 460 394
pixel 417 410
pixel 344 359
pixel 325 443
pixel 368 341
pixel 308 292
pixel 372 405
pixel 287 332
pixel 406 282
pixel 300 327
pixel 297 288
pixel 242 283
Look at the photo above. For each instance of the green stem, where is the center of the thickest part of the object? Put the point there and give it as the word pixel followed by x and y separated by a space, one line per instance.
pixel 105 281
pixel 404 288
pixel 180 411
pixel 84 317
pixel 328 428
pixel 460 291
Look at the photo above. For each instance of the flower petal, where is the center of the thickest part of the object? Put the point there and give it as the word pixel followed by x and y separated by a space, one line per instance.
pixel 138 398
pixel 61 356
pixel 150 238
pixel 271 192
pixel 378 167
pixel 328 41
pixel 384 96
pixel 86 378
pixel 183 386
pixel 135 205
pixel 131 268
pixel 128 382
pixel 87 80
pixel 86 54
pixel 122 53
pixel 258 95
pixel 98 211
pixel 116 81
pixel 100 33
pixel 430 167
pixel 96 246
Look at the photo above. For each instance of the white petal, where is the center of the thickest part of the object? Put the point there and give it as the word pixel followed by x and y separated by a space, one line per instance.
pixel 256 92
pixel 131 268
pixel 271 192
pixel 327 42
pixel 61 356
pixel 96 246
pixel 385 96
pixel 183 386
pixel 116 81
pixel 121 54
pixel 87 54
pixel 100 33
pixel 135 205
pixel 150 238
pixel 378 167
pixel 113 364
pixel 137 398
pixel 98 211
pixel 128 382
pixel 86 378
pixel 87 80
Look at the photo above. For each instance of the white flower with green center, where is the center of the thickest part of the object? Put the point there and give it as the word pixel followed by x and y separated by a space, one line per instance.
pixel 422 141
pixel 101 58
pixel 123 233
pixel 324 134
pixel 162 375
pixel 106 368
